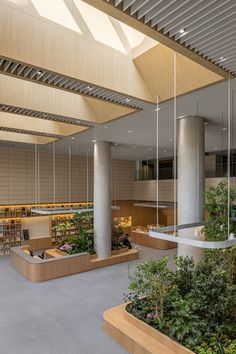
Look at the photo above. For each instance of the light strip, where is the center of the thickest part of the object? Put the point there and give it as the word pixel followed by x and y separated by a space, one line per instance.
pixel 58 211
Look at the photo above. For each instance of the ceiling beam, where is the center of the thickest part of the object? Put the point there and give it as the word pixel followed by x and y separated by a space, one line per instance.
pixel 28 95
pixel 33 41
pixel 25 138
pixel 37 125
pixel 119 14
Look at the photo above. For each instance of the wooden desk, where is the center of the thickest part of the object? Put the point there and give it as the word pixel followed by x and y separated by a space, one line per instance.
pixel 55 253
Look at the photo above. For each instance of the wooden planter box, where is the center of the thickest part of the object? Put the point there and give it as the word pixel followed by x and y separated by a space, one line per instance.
pixel 145 240
pixel 37 270
pixel 136 336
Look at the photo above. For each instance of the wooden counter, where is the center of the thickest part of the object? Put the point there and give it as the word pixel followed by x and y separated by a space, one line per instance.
pixel 37 270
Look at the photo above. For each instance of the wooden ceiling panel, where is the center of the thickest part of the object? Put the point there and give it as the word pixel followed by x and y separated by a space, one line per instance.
pixel 157 69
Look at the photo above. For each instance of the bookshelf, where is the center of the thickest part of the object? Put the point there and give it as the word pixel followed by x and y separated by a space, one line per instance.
pixel 10 234
pixel 57 235
pixel 11 223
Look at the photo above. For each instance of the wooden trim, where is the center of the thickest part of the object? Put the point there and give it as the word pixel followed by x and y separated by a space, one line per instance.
pixel 118 14
pixel 137 336
pixel 145 240
pixel 36 270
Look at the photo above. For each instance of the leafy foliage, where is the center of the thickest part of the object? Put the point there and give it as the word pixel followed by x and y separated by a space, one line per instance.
pixel 216 228
pixel 152 279
pixel 118 238
pixel 194 305
pixel 83 242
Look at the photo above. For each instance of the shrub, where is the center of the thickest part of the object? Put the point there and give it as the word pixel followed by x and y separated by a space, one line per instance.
pixel 194 305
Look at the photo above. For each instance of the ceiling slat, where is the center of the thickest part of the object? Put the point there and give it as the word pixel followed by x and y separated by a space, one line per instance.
pixel 202 26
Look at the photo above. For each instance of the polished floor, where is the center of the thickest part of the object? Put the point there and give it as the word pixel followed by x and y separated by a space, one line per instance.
pixel 62 316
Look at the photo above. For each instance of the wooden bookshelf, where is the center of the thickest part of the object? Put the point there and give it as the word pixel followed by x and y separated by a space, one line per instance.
pixel 10 234
pixel 11 225
pixel 22 211
pixel 57 235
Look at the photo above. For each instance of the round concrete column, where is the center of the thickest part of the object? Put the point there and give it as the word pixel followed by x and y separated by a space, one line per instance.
pixel 191 183
pixel 102 198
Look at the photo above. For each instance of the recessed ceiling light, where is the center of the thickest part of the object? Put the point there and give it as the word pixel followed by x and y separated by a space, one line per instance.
pixel 127 99
pixel 72 137
pixel 105 126
pixel 94 141
pixel 157 109
pixel 164 151
pixel 116 144
pixel 224 129
pixel 222 59
pixel 129 131
pixel 170 139
pixel 133 146
pixel 205 123
pixel 215 148
pixel 150 149
pixel 183 32
pixel 39 72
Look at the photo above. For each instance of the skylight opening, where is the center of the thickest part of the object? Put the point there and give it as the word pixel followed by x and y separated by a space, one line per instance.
pixel 56 11
pixel 100 26
pixel 135 38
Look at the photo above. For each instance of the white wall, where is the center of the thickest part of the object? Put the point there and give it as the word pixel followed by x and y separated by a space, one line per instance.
pixel 38 227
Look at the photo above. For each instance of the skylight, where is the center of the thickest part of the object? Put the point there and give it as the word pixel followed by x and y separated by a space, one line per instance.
pixel 57 12
pixel 134 37
pixel 100 26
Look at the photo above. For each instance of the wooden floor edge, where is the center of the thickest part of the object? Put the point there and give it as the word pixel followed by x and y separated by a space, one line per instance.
pixel 137 336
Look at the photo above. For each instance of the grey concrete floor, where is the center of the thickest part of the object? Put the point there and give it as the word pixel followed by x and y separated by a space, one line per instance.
pixel 62 316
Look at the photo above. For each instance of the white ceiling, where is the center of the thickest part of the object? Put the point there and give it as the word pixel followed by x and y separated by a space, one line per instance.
pixel 136 134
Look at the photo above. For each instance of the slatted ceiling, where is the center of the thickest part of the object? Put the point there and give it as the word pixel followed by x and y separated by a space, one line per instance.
pixel 166 16
pixel 210 25
pixel 44 115
pixel 11 67
pixel 30 132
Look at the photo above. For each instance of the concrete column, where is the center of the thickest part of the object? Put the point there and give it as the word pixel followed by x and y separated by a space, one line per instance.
pixel 191 182
pixel 102 198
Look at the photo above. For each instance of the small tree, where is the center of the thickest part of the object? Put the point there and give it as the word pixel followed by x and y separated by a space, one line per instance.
pixel 152 280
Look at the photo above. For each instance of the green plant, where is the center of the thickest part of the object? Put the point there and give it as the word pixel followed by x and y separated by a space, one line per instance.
pixel 63 228
pixel 183 276
pixel 231 264
pixel 218 201
pixel 83 219
pixel 117 236
pixel 83 242
pixel 152 280
pixel 194 305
